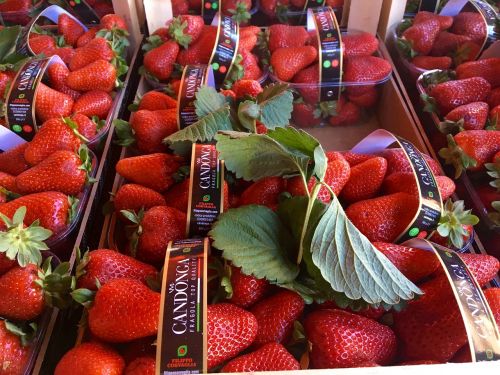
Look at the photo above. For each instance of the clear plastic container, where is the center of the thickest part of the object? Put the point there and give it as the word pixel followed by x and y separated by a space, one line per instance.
pixel 291 16
pixel 197 10
pixel 22 17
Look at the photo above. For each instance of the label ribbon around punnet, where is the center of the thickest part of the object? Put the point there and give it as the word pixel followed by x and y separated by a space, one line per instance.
pixel 430 204
pixel 209 9
pixel 429 5
pixel 182 337
pixel 324 21
pixel 480 325
pixel 84 11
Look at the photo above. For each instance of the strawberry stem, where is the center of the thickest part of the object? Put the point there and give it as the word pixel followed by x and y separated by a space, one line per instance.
pixel 310 205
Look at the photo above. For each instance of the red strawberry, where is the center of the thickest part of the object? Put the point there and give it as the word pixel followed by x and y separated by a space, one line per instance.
pixel 405 182
pixel 445 22
pixel 365 69
pixel 246 87
pixel 493 297
pixel 42 44
pixel 471 24
pixel 470 116
pixel 124 310
pixel 58 73
pixel 99 75
pixel 270 357
pixel 494 97
pixel 14 357
pixel 463 355
pixel 268 7
pixel 93 103
pixel 156 100
pixel 348 114
pixel 69 29
pixel 65 53
pixel 264 192
pixel 141 366
pixel 245 31
pixel 247 42
pixel 160 61
pixel 8 181
pixel 86 126
pixel 6 263
pixel 178 196
pixel 421 36
pixel 287 62
pixel 366 180
pixel 359 44
pixel 134 197
pixel 275 317
pixel 96 49
pixel 90 358
pixel 246 289
pixel 87 37
pixel 447 44
pixel 431 62
pixel 383 218
pixel 483 267
pixel 415 264
pixel 370 312
pixel 285 36
pixel 180 7
pixel 153 171
pixel 250 66
pixel 230 330
pixel 303 116
pixel 485 68
pixel 113 21
pixel 366 99
pixel 185 29
pixel 15 5
pixel 308 76
pixel 160 225
pixel 200 51
pixel 342 339
pixel 5 80
pixel 398 162
pixel 12 161
pixel 466 52
pixel 151 127
pixel 354 159
pixel 54 135
pixel 105 265
pixel 51 103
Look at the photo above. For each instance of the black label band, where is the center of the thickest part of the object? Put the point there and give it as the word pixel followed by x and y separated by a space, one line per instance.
pixel 226 46
pixel 206 191
pixel 182 339
pixel 209 9
pixel 491 20
pixel 84 11
pixel 429 5
pixel 330 51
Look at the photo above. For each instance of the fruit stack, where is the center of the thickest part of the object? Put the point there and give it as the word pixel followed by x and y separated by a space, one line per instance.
pixel 18 12
pixel 240 10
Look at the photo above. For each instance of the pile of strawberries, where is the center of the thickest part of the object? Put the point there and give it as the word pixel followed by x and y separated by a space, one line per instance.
pixel 18 11
pixel 238 9
pixel 294 59
pixel 431 41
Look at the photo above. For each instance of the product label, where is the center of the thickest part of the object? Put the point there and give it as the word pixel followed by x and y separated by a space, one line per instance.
pixel 193 77
pixel 490 18
pixel 209 9
pixel 206 196
pixel 482 331
pixel 84 11
pixel 226 45
pixel 430 203
pixel 323 20
pixel 429 5
pixel 182 339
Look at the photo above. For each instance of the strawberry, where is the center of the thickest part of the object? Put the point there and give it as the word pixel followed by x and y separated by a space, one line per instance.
pixel 51 103
pixel 178 196
pixel 160 61
pixel 445 22
pixel 365 69
pixel 366 99
pixel 494 116
pixel 270 357
pixel 264 192
pixel 247 42
pixel 151 127
pixel 180 7
pixel 134 197
pixel 93 103
pixel 287 62
pixel 405 182
pixel 374 313
pixel 245 87
pixel 86 127
pixel 185 29
pixel 230 330
pixel 159 226
pixel 309 76
pixel 286 36
pixel 42 44
pixel 354 159
pixel 14 357
pixel 52 209
pixel 5 81
pixel 485 68
pixel 156 100
pixel 99 75
pixel 63 171
pixel 246 289
pixel 463 355
pixel 246 31
pixel 12 161
pixel 153 171
pixel 470 149
pixel 342 339
pixel 113 21
pixel 54 135
pixel 96 49
pixel 238 9
pixel 124 310
pixel 250 66
pixel 65 53
pixel 348 114
pixel 398 162
pixel 69 29
pixel 483 267
pixel 421 36
pixel 493 297
pixel 200 51
pixel 104 265
pixel 6 263
pixel 470 116
pixel 268 7
pixel 90 358
pixel 303 115
pixel 276 315
pixel 415 264
pixel 58 73
pixel 15 5
pixel 494 97
pixel 141 366
pixel 8 181
pixel 432 62
pixel 365 180
pixel 447 43
pixel 86 37
pixel 359 44
pixel 162 32
pixel 468 51
pixel 471 24
pixel 383 218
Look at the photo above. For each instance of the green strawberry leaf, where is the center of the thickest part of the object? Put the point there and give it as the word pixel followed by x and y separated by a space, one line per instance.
pixel 208 100
pixel 124 132
pixel 352 265
pixel 248 112
pixel 495 216
pixel 276 103
pixel 240 14
pixel 9 37
pixel 254 238
pixel 26 331
pixel 84 297
pixel 177 32
pixel 236 72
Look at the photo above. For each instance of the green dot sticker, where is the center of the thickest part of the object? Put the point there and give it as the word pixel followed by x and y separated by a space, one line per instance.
pixel 327 64
pixel 413 232
pixel 329 35
pixel 17 128
pixel 206 198
pixel 215 5
pixel 215 66
pixel 431 194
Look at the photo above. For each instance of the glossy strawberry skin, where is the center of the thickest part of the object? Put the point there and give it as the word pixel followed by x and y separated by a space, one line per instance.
pixel 156 100
pixel 58 73
pixel 422 35
pixel 152 127
pixel 200 51
pixel 69 28
pixel 303 116
pixel 365 69
pixel 309 76
pixel 134 197
pixel 481 145
pixel 483 267
pixel 362 44
pixel 51 103
pixel 90 358
pixel 230 330
pixel 8 181
pixel 406 182
pixel 485 68
pixel 287 62
pixel 106 265
pixel 86 37
pixel 86 127
pixel 96 49
pixel 264 192
pixel 493 297
pixel 99 75
pixel 473 115
pixel 111 21
pixel 14 357
pixel 12 161
pixel 453 94
pixel 445 22
pixel 141 366
pixel 365 180
pixel 6 263
pixel 447 43
pixel 285 36
pixel 247 289
pixel 160 61
pixel 250 66
pixel 246 87
pixel 342 339
pixel 93 103
pixel 471 24
pixel 276 315
pixel 432 62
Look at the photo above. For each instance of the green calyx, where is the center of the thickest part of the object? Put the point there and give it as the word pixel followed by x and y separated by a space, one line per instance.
pixel 493 170
pixel 73 208
pixel 117 38
pixel 455 155
pixel 326 109
pixel 81 262
pixel 9 195
pixel 435 78
pixel 406 48
pixel 74 126
pixel 134 230
pixel 495 215
pixel 25 331
pixel 23 243
pixel 451 127
pixel 430 104
pixel 57 284
pixel 452 222
pixel 236 73
pixel 124 132
pixel 153 41
pixel 86 159
pixel 176 31
pixel 240 14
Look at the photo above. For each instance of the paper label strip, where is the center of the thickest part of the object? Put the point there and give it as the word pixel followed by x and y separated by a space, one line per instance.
pixel 430 203
pixel 480 325
pixel 206 196
pixel 182 339
pixel 324 21
pixel 84 11
pixel 209 9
